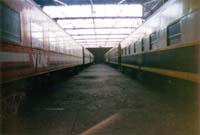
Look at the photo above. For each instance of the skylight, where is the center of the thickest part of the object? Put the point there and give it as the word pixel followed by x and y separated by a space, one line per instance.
pixel 106 23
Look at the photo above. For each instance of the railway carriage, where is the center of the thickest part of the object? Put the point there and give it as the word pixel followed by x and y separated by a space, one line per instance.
pixel 167 43
pixel 32 44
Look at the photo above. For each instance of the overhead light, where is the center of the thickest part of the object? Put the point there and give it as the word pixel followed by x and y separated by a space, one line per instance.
pixel 60 2
pixel 120 2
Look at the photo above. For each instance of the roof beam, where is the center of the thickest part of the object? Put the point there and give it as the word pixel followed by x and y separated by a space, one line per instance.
pixel 99 17
pixel 81 28
pixel 87 2
pixel 94 38
pixel 100 34
pixel 88 42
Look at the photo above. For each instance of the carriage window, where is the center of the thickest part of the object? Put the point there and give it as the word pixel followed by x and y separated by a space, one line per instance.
pixel 142 43
pixel 129 49
pixel 37 35
pixel 10 29
pixel 61 45
pixel 52 41
pixel 153 40
pixel 134 47
pixel 174 33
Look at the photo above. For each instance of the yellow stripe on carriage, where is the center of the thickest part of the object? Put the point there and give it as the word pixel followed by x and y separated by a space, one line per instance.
pixel 194 77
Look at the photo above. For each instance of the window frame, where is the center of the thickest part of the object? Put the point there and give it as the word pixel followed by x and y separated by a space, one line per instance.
pixel 142 45
pixel 152 43
pixel 52 43
pixel 32 32
pixel 134 48
pixel 129 49
pixel 20 27
pixel 174 35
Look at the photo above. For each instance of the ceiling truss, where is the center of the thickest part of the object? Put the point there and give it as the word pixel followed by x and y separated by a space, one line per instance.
pixel 99 17
pixel 79 28
pixel 100 34
pixel 95 29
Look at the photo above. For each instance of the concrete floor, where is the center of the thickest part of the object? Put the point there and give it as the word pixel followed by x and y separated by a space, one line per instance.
pixel 102 101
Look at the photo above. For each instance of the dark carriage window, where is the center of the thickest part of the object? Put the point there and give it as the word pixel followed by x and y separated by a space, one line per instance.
pixel 129 49
pixel 134 47
pixel 174 33
pixel 142 43
pixel 122 51
pixel 10 24
pixel 153 40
